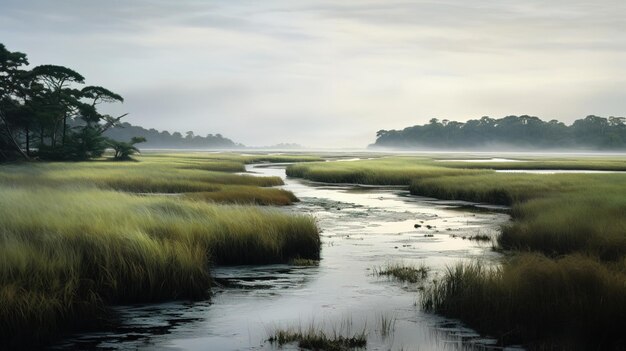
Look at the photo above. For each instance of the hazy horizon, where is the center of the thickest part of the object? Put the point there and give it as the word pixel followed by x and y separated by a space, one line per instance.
pixel 323 74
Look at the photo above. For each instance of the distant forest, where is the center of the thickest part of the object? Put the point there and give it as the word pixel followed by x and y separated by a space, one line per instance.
pixel 167 140
pixel 591 132
pixel 48 113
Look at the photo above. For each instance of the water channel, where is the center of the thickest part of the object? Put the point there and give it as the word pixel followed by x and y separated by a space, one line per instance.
pixel 362 228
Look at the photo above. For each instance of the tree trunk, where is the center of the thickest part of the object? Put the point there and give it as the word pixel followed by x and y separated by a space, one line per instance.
pixel 27 141
pixel 11 139
pixel 64 128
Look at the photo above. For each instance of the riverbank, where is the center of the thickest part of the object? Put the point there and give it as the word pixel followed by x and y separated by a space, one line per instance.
pixel 362 230
pixel 80 237
pixel 569 292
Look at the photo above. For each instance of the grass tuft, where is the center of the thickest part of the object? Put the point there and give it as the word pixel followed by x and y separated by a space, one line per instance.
pixel 246 195
pixel 316 338
pixel 575 301
pixel 74 238
pixel 403 272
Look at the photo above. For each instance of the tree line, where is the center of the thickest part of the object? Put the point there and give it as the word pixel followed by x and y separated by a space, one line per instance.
pixel 48 112
pixel 591 132
pixel 165 139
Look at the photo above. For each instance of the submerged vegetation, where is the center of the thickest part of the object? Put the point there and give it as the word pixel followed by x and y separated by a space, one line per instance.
pixel 316 338
pixel 565 285
pixel 403 272
pixel 77 237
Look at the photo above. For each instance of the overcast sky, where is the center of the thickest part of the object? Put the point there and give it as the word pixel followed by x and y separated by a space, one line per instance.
pixel 331 73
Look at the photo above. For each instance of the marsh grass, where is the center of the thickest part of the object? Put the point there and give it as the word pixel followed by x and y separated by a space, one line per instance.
pixel 246 195
pixel 304 262
pixel 70 246
pixel 383 171
pixel 233 157
pixel 593 163
pixel 402 272
pixel 554 214
pixel 387 324
pixel 495 188
pixel 592 221
pixel 129 177
pixel 64 255
pixel 575 302
pixel 316 337
pixel 566 287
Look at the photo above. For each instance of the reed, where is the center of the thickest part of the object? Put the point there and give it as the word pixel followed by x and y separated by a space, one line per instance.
pixel 383 171
pixel 75 238
pixel 246 195
pixel 402 272
pixel 316 337
pixel 565 288
pixel 574 303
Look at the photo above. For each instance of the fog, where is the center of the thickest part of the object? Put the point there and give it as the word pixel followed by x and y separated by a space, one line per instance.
pixel 328 74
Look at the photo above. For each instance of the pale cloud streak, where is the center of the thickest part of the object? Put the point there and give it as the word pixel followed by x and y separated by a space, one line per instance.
pixel 330 73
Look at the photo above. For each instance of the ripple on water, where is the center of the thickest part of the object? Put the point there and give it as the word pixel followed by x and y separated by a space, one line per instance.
pixel 361 229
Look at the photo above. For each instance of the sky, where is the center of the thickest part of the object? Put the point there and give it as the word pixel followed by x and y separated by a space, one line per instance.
pixel 331 73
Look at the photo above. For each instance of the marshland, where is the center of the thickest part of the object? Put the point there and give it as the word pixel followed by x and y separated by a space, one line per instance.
pixel 312 175
pixel 195 249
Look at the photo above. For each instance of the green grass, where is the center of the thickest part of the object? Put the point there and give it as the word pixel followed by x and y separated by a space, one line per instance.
pixel 383 171
pixel 73 251
pixel 498 188
pixel 77 237
pixel 316 338
pixel 566 286
pixel 590 221
pixel 304 262
pixel 573 303
pixel 543 163
pixel 246 195
pixel 152 177
pixel 402 272
pixel 228 157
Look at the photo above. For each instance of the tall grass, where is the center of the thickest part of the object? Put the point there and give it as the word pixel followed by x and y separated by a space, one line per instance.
pixel 70 246
pixel 130 177
pixel 573 303
pixel 316 337
pixel 383 171
pixel 233 157
pixel 496 188
pixel 542 163
pixel 247 195
pixel 403 272
pixel 569 291
pixel 591 221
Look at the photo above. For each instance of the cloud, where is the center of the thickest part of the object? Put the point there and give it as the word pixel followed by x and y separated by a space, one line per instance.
pixel 328 73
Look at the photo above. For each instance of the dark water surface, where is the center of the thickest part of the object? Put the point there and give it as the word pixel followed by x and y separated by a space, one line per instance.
pixel 362 228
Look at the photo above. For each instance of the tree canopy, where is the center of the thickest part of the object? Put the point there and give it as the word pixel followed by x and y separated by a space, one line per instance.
pixel 591 132
pixel 167 140
pixel 44 111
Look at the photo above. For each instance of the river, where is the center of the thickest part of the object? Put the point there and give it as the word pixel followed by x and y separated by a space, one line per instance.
pixel 362 228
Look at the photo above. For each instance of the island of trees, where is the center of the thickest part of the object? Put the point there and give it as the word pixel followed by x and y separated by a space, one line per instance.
pixel 515 132
pixel 166 140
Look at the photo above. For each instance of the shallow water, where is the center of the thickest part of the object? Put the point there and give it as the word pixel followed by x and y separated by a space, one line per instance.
pixel 362 228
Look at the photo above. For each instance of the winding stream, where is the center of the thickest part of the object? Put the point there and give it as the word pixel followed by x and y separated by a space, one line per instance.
pixel 362 228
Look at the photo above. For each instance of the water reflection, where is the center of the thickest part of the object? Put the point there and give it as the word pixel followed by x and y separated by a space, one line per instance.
pixel 362 228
